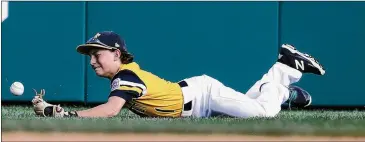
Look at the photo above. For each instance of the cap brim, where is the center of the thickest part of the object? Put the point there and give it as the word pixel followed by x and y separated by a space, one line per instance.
pixel 85 48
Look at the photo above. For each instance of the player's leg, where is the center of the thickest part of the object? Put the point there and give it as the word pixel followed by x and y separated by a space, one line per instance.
pixel 211 97
pixel 279 73
pixel 273 88
pixel 287 70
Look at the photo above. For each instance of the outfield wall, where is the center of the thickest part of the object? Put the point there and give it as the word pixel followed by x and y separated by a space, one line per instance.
pixel 234 42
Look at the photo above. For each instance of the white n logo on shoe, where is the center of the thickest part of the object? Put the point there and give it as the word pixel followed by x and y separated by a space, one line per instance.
pixel 299 64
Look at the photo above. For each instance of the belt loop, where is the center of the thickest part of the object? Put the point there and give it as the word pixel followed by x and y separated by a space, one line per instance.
pixel 188 106
pixel 183 84
pixel 187 109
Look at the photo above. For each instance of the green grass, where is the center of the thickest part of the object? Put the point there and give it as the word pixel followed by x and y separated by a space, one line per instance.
pixel 334 123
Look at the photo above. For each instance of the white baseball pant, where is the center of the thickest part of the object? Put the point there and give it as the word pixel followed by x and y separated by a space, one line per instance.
pixel 209 97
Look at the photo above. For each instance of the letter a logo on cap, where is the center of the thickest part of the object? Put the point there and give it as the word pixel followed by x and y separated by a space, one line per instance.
pixel 97 35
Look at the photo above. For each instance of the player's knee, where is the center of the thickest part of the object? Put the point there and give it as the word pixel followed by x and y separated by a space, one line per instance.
pixel 246 114
pixel 271 111
pixel 262 113
pixel 208 78
pixel 265 113
pixel 205 76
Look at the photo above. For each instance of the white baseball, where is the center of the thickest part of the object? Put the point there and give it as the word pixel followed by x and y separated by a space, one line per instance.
pixel 17 88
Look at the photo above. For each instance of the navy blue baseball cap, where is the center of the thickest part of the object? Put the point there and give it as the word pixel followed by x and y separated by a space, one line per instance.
pixel 103 40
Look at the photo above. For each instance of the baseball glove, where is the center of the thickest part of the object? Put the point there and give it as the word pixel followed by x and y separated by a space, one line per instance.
pixel 44 109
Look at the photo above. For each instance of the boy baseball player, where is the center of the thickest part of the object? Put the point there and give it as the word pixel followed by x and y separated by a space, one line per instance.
pixel 148 95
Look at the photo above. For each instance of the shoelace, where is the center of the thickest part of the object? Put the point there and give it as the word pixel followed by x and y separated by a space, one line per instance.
pixel 305 54
pixel 292 96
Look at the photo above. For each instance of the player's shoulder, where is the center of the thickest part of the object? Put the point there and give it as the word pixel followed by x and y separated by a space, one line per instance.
pixel 124 73
pixel 127 78
pixel 127 75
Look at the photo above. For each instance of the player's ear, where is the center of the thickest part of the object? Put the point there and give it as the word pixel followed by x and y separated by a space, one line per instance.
pixel 117 54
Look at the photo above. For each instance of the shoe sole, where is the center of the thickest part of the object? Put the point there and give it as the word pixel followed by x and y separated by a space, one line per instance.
pixel 292 50
pixel 310 101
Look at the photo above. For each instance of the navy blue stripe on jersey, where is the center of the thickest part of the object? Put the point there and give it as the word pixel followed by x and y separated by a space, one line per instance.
pixel 131 107
pixel 138 113
pixel 126 95
pixel 128 75
pixel 130 79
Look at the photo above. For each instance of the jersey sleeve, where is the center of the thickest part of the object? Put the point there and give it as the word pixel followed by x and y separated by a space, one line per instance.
pixel 127 85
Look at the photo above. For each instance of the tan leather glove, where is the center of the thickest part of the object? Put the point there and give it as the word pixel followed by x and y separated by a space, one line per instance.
pixel 44 109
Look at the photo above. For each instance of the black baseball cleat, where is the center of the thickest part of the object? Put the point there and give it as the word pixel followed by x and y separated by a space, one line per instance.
pixel 298 97
pixel 303 62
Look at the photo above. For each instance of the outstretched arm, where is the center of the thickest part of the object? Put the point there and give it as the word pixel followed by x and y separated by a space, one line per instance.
pixel 125 86
pixel 109 109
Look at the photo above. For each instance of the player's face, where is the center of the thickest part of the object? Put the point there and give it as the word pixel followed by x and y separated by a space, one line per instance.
pixel 102 61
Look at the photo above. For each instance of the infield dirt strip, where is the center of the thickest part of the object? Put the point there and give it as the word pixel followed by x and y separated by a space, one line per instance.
pixel 60 136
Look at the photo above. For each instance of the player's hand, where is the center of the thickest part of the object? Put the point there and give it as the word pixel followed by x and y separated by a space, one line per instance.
pixel 39 105
pixel 44 109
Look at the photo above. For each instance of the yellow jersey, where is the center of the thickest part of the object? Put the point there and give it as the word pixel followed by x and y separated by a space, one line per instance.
pixel 146 94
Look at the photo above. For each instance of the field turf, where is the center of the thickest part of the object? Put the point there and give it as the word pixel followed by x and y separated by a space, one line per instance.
pixel 310 122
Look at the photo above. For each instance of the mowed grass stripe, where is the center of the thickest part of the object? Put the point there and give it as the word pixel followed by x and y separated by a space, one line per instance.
pixel 335 123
